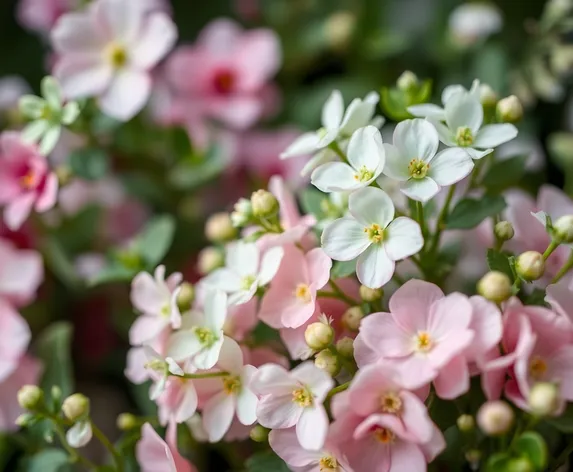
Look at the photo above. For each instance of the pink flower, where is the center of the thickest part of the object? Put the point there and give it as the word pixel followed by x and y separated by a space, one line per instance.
pixel 178 402
pixel 291 299
pixel 21 273
pixel 294 398
pixel 14 338
pixel 25 180
pixel 423 332
pixel 107 50
pixel 155 455
pixel 560 297
pixel 41 15
pixel 241 320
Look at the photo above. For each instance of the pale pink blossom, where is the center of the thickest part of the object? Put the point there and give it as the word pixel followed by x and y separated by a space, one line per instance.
pixel 294 398
pixel 12 87
pixel 26 181
pixel 179 401
pixel 107 50
pixel 41 15
pixel 241 320
pixel 21 273
pixel 161 369
pixel 156 455
pixel 14 339
pixel 136 370
pixel 291 299
pixel 560 297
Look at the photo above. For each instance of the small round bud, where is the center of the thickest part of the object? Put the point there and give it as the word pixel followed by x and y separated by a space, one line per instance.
pixel 243 213
pixel 264 203
pixel 509 109
pixel 345 347
pixel 328 361
pixel 352 317
pixel 26 419
pixel 504 231
pixel 64 175
pixel 520 464
pixel 495 286
pixel 564 229
pixel 530 265
pixel 338 29
pixel 30 397
pixel 318 335
pixel 219 228
pixel 466 423
pixel 259 434
pixel 210 259
pixel 56 393
pixel 487 95
pixel 544 399
pixel 370 294
pixel 495 418
pixel 185 296
pixel 407 81
pixel 127 421
pixel 76 407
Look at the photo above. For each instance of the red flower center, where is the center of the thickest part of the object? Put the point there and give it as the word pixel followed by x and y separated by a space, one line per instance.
pixel 224 81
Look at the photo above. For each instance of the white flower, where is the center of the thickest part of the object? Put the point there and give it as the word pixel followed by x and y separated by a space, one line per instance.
pixel 365 163
pixel 245 271
pixel 471 22
pixel 412 160
pixel 373 235
pixel 79 434
pixel 161 369
pixel 201 335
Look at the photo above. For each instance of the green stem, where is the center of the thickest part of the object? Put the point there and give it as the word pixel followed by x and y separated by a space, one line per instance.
pixel 552 246
pixel 102 438
pixel 420 218
pixel 341 295
pixel 74 454
pixel 338 389
pixel 441 219
pixel 208 375
pixel 336 148
pixel 564 269
pixel 560 460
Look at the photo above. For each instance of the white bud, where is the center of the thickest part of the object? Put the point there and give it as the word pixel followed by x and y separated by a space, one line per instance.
pixel 504 231
pixel 210 259
pixel 466 423
pixel 352 317
pixel 370 294
pixel 509 109
pixel 495 286
pixel 530 265
pixel 30 397
pixel 487 95
pixel 345 347
pixel 495 418
pixel 564 229
pixel 407 81
pixel 76 407
pixel 219 228
pixel 319 336
pixel 243 213
pixel 264 203
pixel 544 399
pixel 328 361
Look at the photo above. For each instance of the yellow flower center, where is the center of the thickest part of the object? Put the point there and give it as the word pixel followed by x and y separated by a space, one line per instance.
pixel 232 385
pixel 206 336
pixel 116 55
pixel 302 292
pixel 328 464
pixel 28 180
pixel 247 281
pixel 363 174
pixel 418 169
pixel 384 435
pixel 423 342
pixel 390 402
pixel 464 136
pixel 165 310
pixel 156 365
pixel 302 397
pixel 537 367
pixel 375 233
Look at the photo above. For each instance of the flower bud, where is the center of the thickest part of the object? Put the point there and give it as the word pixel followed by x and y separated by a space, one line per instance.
pixel 352 317
pixel 503 231
pixel 319 335
pixel 466 423
pixel 520 464
pixel 563 228
pixel 76 407
pixel 25 420
pixel 530 265
pixel 345 347
pixel 243 213
pixel 126 421
pixel 64 175
pixel 264 203
pixel 259 434
pixel 338 29
pixel 544 399
pixel 30 397
pixel 185 297
pixel 219 228
pixel 509 109
pixel 407 81
pixel 495 418
pixel 370 294
pixel 210 259
pixel 329 362
pixel 487 95
pixel 495 286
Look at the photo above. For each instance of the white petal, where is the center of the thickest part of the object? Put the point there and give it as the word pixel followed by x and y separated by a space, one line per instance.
pixel 491 136
pixel 332 110
pixel 328 137
pixel 79 434
pixel 358 114
pixel 372 98
pixel 122 18
pixel 126 95
pixel 83 77
pixel 247 406
pixel 158 37
pixel 215 309
pixel 450 166
pixel 50 139
pixel 365 149
pixel 270 264
pixel 335 177
pixel 231 356
pixel 452 90
pixel 312 428
pixel 374 268
pixel 416 139
pixel 344 239
pixel 305 144
pixel 464 110
pixel 182 345
pixel 428 110
pixel 223 279
pixel 444 133
pixel 404 238
pixel 32 106
pixel 242 258
pixel 70 112
pixel 321 157
pixel 207 358
pixel 420 189
pixel 218 414
pixel 371 205
pixel 317 380
pixel 174 367
pixel 35 130
pixel 396 166
pixel 476 154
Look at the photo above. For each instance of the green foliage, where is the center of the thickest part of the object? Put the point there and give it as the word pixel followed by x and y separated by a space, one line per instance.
pixel 311 201
pixel 498 463
pixel 498 261
pixel 341 269
pixel 54 349
pixel 265 462
pixel 154 241
pixel 470 212
pixel 49 460
pixel 504 174
pixel 532 446
pixel 564 423
pixel 394 101
pixel 89 163
pixel 197 170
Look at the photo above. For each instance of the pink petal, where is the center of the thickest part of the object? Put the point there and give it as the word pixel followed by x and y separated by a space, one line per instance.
pixel 126 95
pixel 319 265
pixel 407 456
pixel 410 304
pixel 369 384
pixel 415 416
pixel 278 411
pixel 188 403
pixel 15 338
pixel 317 380
pixel 286 445
pixel 145 329
pixel 381 333
pixel 218 414
pixel 17 211
pixel 454 379
pixel 561 371
pixel 449 315
pixel 155 41
pixel 259 57
pixel 272 379
pixel 220 36
pixel 84 76
pixel 230 357
pixel 121 19
pixel 290 216
pixel 363 353
pixel 47 199
pixel 449 347
pixel 152 452
pixel 312 428
pixel 78 33
pixel 553 201
pixel 487 325
pixel 147 295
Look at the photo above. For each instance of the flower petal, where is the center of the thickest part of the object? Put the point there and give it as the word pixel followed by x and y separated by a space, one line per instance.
pixel 270 264
pixel 157 37
pixel 464 111
pixel 365 149
pixel 358 114
pixel 344 239
pixel 428 110
pixel 215 309
pixel 403 238
pixel 333 110
pixel 371 205
pixel 183 344
pixel 416 139
pixel 218 415
pixel 79 434
pixel 477 154
pixel 491 136
pixel 450 166
pixel 312 428
pixel 374 268
pixel 396 166
pixel 317 380
pixel 335 177
pixel 420 190
pixel 126 95
pixel 304 144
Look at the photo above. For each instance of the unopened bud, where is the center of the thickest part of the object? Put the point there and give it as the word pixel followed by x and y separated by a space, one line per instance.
pixel 466 423
pixel 487 95
pixel 76 407
pixel 25 419
pixel 544 399
pixel 56 393
pixel 243 213
pixel 509 110
pixel 328 361
pixel 563 228
pixel 352 317
pixel 495 418
pixel 495 286
pixel 520 464
pixel 407 81
pixel 370 294
pixel 318 335
pixel 504 231
pixel 345 347
pixel 30 397
pixel 530 265
pixel 127 421
pixel 338 29
pixel 64 175
pixel 264 203
pixel 210 259
pixel 259 434
pixel 185 296
pixel 219 228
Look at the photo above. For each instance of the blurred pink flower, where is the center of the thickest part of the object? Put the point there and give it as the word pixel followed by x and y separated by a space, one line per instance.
pixel 26 181
pixel 178 402
pixel 156 455
pixel 41 15
pixel 14 338
pixel 107 51
pixel 21 273
pixel 241 320
pixel 12 87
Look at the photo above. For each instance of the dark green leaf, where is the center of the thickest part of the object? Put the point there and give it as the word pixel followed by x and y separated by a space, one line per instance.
pixel 265 462
pixel 155 240
pixel 141 397
pixel 423 93
pixel 181 143
pixel 504 174
pixel 532 445
pixel 342 269
pixel 470 212
pixel 49 460
pixel 190 175
pixel 311 201
pixel 498 463
pixel 564 422
pixel 59 262
pixel 89 163
pixel 114 272
pixel 394 103
pixel 499 262
pixel 537 297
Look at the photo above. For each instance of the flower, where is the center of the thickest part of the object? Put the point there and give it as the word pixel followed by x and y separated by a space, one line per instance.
pixel 201 334
pixel 373 235
pixel 26 182
pixel 178 402
pixel 294 398
pixel 156 299
pixel 80 433
pixel 291 298
pixel 107 50
pixel 41 15
pixel 232 394
pixel 245 271
pixel 365 163
pixel 471 22
pixel 160 369
pixel 14 336
pixel 21 273
pixel 412 160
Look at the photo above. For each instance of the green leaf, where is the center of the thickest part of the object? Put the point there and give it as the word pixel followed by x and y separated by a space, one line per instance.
pixel 504 174
pixel 265 462
pixel 156 238
pixel 498 463
pixel 394 103
pixel 190 175
pixel 114 272
pixel 49 460
pixel 89 163
pixel 311 202
pixel 499 261
pixel 564 423
pixel 537 297
pixel 532 445
pixel 54 349
pixel 470 212
pixel 342 269
pixel 59 262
